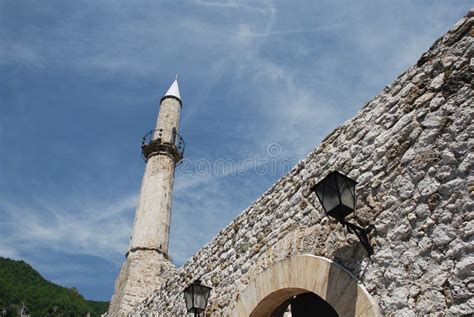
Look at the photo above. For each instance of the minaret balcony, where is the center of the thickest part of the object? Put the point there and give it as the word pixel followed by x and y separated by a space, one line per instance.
pixel 153 143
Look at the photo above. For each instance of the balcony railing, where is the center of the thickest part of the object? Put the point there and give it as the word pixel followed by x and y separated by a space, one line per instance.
pixel 152 143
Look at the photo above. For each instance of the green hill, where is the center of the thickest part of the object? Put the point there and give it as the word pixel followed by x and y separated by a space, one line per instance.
pixel 22 286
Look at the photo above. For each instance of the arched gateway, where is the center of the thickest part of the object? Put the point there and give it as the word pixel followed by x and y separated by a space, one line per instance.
pixel 309 279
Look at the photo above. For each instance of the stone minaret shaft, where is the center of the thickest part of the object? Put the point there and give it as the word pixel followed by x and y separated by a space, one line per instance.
pixel 147 265
pixel 152 218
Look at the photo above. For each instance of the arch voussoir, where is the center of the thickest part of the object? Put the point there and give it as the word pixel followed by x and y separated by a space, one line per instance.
pixel 300 274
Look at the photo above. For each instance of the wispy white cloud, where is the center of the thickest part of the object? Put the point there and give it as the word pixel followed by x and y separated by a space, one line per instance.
pixel 9 251
pixel 98 229
pixel 233 4
pixel 20 53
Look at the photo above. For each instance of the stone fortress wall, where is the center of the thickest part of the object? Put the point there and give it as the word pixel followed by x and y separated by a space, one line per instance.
pixel 411 151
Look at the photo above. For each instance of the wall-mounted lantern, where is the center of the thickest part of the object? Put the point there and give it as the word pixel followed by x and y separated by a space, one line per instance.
pixel 336 193
pixel 196 296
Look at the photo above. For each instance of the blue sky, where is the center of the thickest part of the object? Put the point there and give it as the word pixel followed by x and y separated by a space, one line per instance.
pixel 262 83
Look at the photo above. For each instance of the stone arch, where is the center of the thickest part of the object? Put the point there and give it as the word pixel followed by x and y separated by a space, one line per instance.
pixel 300 274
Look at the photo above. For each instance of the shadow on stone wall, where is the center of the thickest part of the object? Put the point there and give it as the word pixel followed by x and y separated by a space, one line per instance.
pixel 350 256
pixel 341 290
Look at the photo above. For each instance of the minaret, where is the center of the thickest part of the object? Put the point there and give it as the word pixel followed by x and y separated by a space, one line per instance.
pixel 147 265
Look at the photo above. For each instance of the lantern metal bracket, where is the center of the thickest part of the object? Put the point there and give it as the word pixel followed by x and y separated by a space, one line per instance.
pixel 361 233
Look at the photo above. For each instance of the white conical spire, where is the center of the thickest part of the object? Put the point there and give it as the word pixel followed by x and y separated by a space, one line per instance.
pixel 173 91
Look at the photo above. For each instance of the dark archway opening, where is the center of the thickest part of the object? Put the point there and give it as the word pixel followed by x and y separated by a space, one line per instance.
pixel 305 305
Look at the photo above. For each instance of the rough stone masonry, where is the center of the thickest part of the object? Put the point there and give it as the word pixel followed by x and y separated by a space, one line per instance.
pixel 411 151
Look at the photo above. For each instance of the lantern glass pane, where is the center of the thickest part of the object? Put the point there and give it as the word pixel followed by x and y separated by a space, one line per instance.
pixel 347 194
pixel 331 200
pixel 200 296
pixel 330 197
pixel 188 297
